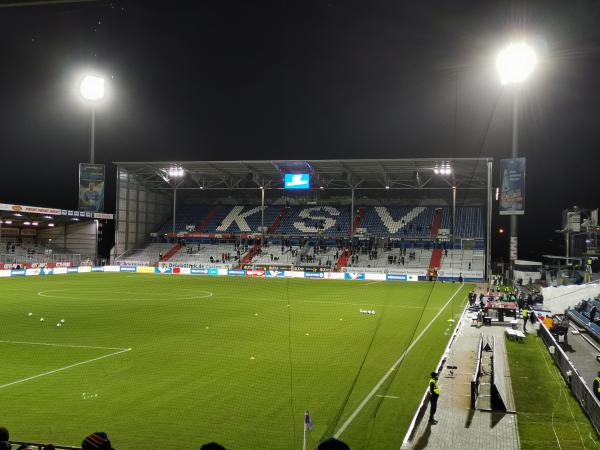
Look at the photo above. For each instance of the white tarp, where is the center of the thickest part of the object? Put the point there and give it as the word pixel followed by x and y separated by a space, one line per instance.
pixel 557 299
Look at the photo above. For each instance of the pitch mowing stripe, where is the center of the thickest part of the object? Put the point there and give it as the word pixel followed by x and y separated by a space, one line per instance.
pixel 61 345
pixel 373 391
pixel 12 383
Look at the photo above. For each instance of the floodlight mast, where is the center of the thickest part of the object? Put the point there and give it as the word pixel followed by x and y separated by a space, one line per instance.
pixel 515 63
pixel 92 90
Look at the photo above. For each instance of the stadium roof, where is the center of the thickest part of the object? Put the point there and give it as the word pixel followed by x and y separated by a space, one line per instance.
pixel 466 173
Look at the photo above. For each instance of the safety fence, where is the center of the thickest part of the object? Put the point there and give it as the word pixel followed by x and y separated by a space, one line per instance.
pixel 476 374
pixel 579 387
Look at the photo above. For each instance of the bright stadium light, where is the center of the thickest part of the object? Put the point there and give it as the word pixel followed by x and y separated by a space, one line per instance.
pixel 175 172
pixel 515 63
pixel 92 88
pixel 8 222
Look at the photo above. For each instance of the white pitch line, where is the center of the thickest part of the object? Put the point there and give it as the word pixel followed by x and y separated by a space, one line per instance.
pixel 61 345
pixel 391 370
pixel 386 396
pixel 62 368
pixel 372 282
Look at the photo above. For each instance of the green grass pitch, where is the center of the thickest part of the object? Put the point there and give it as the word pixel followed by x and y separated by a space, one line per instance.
pixel 234 360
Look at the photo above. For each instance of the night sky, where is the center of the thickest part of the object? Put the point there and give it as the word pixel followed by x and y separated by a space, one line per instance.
pixel 227 80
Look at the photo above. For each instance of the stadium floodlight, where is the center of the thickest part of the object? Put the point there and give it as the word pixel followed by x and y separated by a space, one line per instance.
pixel 443 169
pixel 8 222
pixel 92 88
pixel 50 225
pixel 387 186
pixel 35 224
pixel 26 223
pixel 175 172
pixel 17 214
pixel 515 63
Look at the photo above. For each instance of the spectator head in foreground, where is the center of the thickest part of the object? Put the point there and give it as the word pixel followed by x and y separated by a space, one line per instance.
pixel 212 446
pixel 3 434
pixel 96 441
pixel 4 445
pixel 332 444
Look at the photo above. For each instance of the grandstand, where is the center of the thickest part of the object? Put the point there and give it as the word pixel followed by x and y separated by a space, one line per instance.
pixel 367 215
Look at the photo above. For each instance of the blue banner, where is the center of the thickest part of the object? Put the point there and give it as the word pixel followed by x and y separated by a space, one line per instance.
pixel 314 274
pixel 354 276
pixel 396 277
pixel 72 269
pixel 97 269
pixel 162 270
pixel 236 273
pixel 213 271
pixel 127 268
pixel 199 271
pixel 275 273
pixel 512 191
pixel 17 273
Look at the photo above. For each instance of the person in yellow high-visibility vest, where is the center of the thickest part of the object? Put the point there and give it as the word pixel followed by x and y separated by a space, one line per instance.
pixel 434 394
pixel 597 386
pixel 525 317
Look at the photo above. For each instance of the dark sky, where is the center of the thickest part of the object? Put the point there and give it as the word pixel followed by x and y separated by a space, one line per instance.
pixel 300 79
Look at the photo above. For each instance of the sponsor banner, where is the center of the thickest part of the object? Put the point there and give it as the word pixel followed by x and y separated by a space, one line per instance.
pixel 127 268
pixel 199 271
pixel 296 181
pixel 145 269
pixel 91 187
pixel 375 276
pixel 30 272
pixel 85 269
pixel 6 266
pixel 185 271
pixel 314 275
pixel 10 231
pixel 236 272
pixel 103 216
pixel 275 273
pixel 512 191
pixel 255 273
pixel 162 269
pixel 396 277
pixel 60 270
pixel 17 273
pixel 217 271
pixel 175 270
pixel 334 275
pixel 97 269
pixel 514 245
pixel 354 276
pixel 112 268
pixel 5 273
pixel 72 269
pixel 28 232
pixel 29 209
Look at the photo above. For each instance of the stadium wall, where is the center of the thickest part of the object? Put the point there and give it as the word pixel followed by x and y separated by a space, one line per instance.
pixel 74 237
pixel 139 212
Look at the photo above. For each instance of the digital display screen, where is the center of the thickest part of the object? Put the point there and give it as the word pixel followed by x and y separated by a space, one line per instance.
pixel 297 180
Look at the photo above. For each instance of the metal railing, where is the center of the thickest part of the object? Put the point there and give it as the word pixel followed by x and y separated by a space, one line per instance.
pixel 582 392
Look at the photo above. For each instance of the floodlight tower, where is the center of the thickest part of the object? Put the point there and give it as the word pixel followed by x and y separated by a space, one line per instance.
pixel 515 63
pixel 92 89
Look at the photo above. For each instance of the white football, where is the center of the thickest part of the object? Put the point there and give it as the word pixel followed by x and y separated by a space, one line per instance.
pixel 42 319
pixel 30 314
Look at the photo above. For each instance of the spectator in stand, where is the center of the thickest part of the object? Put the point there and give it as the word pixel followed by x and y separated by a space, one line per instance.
pixel 97 441
pixel 4 436
pixel 332 444
pixel 212 446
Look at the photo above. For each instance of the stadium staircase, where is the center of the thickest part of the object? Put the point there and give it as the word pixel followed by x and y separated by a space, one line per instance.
pixel 343 260
pixel 213 212
pixel 436 255
pixel 357 219
pixel 248 256
pixel 277 221
pixel 172 251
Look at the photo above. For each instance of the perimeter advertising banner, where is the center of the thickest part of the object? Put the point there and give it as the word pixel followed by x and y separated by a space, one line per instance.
pixel 512 192
pixel 91 187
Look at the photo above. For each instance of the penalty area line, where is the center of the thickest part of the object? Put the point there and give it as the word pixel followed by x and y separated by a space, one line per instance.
pixel 373 391
pixel 50 372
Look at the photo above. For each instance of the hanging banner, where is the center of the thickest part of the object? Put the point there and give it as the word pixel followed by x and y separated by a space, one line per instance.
pixel 91 187
pixel 512 191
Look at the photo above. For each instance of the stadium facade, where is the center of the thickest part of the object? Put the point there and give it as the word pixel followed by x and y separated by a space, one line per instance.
pixel 395 215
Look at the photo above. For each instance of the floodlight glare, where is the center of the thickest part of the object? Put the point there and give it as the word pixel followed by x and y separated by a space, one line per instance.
pixel 515 63
pixel 92 88
pixel 175 172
